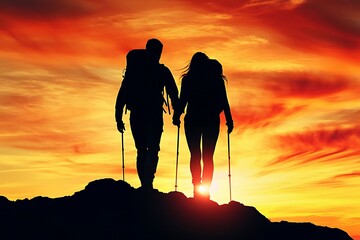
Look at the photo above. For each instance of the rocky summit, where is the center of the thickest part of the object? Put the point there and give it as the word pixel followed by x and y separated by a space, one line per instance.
pixel 111 209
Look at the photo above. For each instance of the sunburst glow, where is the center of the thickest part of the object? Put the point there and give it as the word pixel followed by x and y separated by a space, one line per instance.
pixel 203 190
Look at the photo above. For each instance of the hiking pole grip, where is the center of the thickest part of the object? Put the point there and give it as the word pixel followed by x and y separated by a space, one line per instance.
pixel 177 158
pixel 122 154
pixel 228 141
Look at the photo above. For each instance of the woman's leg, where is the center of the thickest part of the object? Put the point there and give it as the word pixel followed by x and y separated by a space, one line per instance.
pixel 193 135
pixel 209 139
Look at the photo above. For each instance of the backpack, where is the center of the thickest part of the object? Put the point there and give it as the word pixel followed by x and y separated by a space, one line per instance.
pixel 139 89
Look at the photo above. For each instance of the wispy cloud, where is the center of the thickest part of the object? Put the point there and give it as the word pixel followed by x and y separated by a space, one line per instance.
pixel 318 25
pixel 347 175
pixel 42 109
pixel 262 115
pixel 307 85
pixel 275 98
pixel 324 144
pixel 330 27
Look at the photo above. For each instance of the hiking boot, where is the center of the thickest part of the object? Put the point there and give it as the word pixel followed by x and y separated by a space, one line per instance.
pixel 196 190
pixel 147 185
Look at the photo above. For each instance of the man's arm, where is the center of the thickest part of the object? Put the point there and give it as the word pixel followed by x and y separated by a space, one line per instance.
pixel 171 88
pixel 120 104
pixel 226 107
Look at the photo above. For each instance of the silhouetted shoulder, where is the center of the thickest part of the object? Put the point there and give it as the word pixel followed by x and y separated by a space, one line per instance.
pixel 164 68
pixel 164 72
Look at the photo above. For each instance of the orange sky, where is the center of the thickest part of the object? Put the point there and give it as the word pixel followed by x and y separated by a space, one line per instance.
pixel 293 86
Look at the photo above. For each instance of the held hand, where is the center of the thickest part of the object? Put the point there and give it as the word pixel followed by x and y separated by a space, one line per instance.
pixel 230 126
pixel 121 126
pixel 176 121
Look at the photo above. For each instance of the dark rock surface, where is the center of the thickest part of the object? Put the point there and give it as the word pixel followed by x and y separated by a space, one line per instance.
pixel 110 209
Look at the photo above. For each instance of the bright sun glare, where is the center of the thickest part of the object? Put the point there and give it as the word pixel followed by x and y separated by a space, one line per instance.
pixel 203 190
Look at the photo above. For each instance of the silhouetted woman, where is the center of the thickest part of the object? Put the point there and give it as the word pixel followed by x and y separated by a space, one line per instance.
pixel 203 93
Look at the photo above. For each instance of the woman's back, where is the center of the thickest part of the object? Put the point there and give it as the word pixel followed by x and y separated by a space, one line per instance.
pixel 205 94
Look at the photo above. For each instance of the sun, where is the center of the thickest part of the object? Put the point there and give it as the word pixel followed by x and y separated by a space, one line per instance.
pixel 204 190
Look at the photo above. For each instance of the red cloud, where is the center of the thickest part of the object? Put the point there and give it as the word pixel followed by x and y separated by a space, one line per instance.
pixel 345 116
pixel 307 85
pixel 262 116
pixel 336 138
pixel 269 108
pixel 319 25
pixel 339 179
pixel 297 84
pixel 44 9
pixel 322 144
pixel 49 10
pixel 347 175
pixel 314 25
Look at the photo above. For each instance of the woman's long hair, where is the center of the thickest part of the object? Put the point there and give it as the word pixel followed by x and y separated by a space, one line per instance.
pixel 215 69
pixel 197 64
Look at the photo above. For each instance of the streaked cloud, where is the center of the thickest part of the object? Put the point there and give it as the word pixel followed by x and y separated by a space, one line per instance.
pixel 307 85
pixel 262 116
pixel 331 27
pixel 318 25
pixel 321 144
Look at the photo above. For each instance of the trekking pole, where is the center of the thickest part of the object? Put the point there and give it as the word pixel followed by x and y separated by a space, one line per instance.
pixel 177 158
pixel 228 137
pixel 122 153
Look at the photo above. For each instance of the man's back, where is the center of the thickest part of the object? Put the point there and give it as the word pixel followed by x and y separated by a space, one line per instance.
pixel 144 87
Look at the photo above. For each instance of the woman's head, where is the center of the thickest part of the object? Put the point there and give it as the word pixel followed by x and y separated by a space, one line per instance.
pixel 197 63
pixel 198 60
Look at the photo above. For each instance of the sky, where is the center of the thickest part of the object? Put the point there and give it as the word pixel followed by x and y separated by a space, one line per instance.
pixel 293 85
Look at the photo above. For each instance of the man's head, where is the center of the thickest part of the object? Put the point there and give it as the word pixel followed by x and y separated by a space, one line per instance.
pixel 154 49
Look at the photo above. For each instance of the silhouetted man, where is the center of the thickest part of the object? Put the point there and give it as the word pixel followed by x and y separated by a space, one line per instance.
pixel 142 93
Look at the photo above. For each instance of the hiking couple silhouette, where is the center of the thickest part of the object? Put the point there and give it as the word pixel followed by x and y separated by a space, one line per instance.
pixel 202 93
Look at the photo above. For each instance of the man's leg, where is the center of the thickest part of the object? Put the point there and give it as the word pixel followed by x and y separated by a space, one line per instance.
pixel 153 138
pixel 138 131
